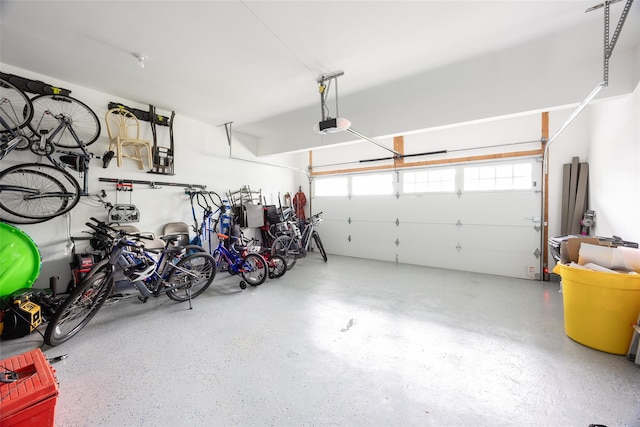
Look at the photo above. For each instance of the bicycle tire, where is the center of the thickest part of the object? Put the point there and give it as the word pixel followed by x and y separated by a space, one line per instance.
pixel 195 273
pixel 281 246
pixel 193 249
pixel 15 219
pixel 37 191
pixel 316 239
pixel 15 107
pixel 279 267
pixel 254 269
pixel 85 123
pixel 79 308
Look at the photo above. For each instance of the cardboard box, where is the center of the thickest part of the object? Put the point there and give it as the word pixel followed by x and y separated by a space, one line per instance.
pixel 573 247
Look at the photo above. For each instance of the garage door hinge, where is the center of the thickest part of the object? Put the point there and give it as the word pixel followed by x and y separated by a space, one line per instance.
pixel 537 253
pixel 458 247
pixel 397 242
pixel 397 194
pixel 459 193
pixel 349 238
pixel 349 220
pixel 397 222
pixel 458 224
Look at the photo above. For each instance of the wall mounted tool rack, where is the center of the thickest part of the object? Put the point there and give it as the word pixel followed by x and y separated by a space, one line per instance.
pixel 152 184
pixel 162 156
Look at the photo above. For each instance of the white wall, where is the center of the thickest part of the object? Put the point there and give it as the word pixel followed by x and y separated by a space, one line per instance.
pixel 614 160
pixel 201 157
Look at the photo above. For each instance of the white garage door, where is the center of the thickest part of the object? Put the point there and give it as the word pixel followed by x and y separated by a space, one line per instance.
pixel 482 217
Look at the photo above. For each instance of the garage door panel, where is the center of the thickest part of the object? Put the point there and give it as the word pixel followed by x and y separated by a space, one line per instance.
pixel 334 236
pixel 373 240
pixel 372 208
pixel 514 208
pixel 502 262
pixel 502 237
pixel 332 208
pixel 426 244
pixel 431 208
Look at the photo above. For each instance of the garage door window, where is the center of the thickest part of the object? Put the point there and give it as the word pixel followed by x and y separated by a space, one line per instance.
pixel 370 185
pixel 438 180
pixel 498 177
pixel 338 186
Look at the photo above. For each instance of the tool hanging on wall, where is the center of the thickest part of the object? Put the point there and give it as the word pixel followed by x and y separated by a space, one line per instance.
pixel 162 156
pixel 124 212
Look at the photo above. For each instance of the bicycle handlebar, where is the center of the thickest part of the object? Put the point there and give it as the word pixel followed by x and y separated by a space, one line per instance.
pixel 120 232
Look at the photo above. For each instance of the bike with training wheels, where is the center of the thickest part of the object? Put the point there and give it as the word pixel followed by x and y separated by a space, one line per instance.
pixel 47 124
pixel 130 268
pixel 251 266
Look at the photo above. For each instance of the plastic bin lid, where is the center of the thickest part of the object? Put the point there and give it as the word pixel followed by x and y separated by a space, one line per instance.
pixel 20 260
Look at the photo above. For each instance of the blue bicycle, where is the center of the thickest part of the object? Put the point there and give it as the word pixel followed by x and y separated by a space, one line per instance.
pixel 252 266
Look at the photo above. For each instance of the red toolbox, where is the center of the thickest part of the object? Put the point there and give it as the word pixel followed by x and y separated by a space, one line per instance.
pixel 28 391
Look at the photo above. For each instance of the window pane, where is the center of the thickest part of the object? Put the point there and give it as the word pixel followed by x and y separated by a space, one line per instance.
pixel 498 177
pixel 372 184
pixel 436 180
pixel 331 186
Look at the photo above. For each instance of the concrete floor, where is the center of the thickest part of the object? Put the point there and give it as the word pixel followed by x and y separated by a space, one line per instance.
pixel 348 343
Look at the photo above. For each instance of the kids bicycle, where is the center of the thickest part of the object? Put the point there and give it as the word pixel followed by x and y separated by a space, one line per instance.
pixel 253 267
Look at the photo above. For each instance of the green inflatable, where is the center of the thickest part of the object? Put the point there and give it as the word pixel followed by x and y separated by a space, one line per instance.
pixel 20 260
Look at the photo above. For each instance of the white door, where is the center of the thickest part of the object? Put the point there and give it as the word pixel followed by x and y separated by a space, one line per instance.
pixel 483 226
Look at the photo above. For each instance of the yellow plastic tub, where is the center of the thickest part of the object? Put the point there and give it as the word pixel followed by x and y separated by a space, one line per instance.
pixel 599 308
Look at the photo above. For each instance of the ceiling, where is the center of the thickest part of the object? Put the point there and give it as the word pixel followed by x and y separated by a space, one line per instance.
pixel 247 61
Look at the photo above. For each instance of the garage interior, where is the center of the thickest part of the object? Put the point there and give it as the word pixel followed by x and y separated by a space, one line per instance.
pixel 436 306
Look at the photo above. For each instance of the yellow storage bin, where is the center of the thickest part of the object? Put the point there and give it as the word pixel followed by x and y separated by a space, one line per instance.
pixel 599 308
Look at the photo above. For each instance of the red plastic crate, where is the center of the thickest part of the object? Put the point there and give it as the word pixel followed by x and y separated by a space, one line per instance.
pixel 31 399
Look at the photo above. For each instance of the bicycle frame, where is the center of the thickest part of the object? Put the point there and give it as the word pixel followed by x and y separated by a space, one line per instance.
pixel 207 225
pixel 12 143
pixel 300 245
pixel 233 260
pixel 45 147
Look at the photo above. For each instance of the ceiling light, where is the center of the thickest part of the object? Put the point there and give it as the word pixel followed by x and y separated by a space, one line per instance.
pixel 142 58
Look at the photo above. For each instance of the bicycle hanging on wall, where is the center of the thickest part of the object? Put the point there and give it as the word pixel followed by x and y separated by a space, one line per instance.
pixel 47 124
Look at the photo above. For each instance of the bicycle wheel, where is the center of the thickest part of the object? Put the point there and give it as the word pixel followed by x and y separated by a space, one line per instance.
pixel 37 191
pixel 279 267
pixel 282 246
pixel 316 238
pixel 254 269
pixel 50 110
pixel 193 249
pixel 79 308
pixel 192 275
pixel 16 109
